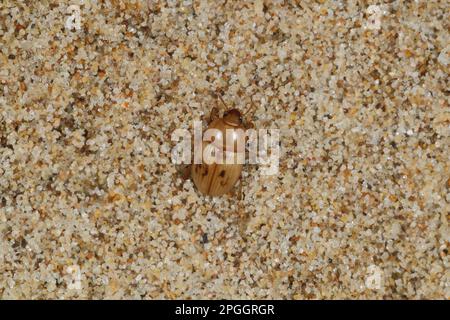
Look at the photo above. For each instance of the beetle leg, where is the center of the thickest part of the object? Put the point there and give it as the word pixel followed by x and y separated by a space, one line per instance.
pixel 249 124
pixel 184 170
pixel 243 217
pixel 214 114
pixel 240 194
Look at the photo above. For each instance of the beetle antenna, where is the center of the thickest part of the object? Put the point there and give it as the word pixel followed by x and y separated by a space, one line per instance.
pixel 223 102
pixel 252 106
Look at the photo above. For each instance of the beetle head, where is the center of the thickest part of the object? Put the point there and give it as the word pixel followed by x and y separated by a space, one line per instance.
pixel 233 117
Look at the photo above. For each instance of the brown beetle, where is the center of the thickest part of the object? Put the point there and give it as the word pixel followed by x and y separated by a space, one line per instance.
pixel 228 138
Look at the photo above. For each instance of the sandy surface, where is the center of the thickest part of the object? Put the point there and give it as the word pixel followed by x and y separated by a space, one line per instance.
pixel 92 207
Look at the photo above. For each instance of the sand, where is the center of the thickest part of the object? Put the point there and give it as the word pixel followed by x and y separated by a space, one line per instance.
pixel 92 207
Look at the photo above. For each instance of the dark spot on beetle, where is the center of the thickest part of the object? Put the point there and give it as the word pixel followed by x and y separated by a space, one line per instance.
pixel 222 173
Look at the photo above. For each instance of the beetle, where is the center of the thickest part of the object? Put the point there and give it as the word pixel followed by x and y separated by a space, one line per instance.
pixel 213 178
